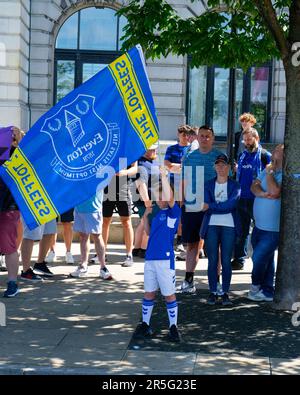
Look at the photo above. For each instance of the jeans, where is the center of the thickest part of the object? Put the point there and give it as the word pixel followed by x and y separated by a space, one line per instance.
pixel 223 236
pixel 245 212
pixel 264 245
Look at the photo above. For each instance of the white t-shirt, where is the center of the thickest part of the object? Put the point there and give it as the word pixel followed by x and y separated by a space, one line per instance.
pixel 221 196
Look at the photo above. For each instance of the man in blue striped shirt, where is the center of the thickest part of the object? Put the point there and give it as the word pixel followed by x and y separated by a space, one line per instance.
pixel 198 167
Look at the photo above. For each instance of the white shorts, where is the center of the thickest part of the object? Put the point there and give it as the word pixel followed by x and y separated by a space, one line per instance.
pixel 37 234
pixel 158 275
pixel 88 223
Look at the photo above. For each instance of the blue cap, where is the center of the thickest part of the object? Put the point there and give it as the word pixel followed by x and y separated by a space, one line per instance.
pixel 222 158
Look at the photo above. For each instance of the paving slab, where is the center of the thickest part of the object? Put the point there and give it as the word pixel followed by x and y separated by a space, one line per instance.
pixel 230 365
pixel 285 366
pixel 85 326
pixel 161 361
pixel 84 356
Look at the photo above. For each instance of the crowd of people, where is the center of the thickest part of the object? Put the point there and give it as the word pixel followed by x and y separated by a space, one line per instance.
pixel 194 203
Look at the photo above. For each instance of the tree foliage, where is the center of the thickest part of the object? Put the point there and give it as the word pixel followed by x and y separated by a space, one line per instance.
pixel 231 33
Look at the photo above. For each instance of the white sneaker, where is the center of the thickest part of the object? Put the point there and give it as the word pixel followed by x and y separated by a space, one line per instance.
pixel 105 274
pixel 50 257
pixel 69 258
pixel 2 264
pixel 186 287
pixel 81 271
pixel 179 248
pixel 259 296
pixel 128 261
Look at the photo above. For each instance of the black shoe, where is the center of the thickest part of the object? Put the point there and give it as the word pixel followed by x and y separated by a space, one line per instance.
pixel 174 334
pixel 237 265
pixel 201 254
pixel 41 268
pixel 226 301
pixel 142 253
pixel 212 299
pixel 136 252
pixel 180 258
pixel 143 330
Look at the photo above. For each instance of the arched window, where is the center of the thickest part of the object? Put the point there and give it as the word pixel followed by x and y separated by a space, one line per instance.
pixel 86 43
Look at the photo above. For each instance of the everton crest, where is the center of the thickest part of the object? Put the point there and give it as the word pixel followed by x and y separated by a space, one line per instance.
pixel 83 143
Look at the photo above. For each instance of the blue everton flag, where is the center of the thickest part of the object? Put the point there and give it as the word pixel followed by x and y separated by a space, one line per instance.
pixel 59 161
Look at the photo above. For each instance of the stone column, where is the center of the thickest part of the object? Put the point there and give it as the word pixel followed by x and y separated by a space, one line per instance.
pixel 14 53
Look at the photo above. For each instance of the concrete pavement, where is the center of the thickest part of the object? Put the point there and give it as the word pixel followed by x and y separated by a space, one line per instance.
pixel 84 326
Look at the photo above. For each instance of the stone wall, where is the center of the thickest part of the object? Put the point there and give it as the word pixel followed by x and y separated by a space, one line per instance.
pixel 26 88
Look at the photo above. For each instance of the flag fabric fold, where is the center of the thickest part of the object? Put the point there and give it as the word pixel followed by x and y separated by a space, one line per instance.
pixel 106 122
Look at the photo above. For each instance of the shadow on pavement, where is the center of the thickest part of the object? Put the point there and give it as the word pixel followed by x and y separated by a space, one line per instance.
pixel 246 328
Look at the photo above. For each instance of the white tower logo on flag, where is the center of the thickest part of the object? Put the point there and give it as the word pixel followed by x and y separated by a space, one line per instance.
pixel 73 124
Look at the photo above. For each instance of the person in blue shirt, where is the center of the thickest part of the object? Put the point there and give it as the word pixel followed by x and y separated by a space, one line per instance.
pixel 220 226
pixel 159 270
pixel 88 220
pixel 251 163
pixel 265 235
pixel 173 162
pixel 197 168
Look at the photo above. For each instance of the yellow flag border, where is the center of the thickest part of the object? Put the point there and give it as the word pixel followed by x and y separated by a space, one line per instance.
pixel 53 209
pixel 141 94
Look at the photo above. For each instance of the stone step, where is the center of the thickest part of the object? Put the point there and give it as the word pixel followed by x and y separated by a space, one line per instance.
pixel 115 232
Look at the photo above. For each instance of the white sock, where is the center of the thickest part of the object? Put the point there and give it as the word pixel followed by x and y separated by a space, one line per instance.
pixel 172 309
pixel 147 308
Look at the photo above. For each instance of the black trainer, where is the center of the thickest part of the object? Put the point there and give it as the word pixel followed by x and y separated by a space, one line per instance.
pixel 136 252
pixel 174 334
pixel 226 301
pixel 237 265
pixel 143 330
pixel 212 299
pixel 41 268
pixel 142 253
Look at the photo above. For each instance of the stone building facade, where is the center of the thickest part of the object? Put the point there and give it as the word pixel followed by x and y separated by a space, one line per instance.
pixel 28 34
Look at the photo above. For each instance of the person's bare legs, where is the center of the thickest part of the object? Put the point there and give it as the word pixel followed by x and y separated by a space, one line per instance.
pixel 53 242
pixel 26 253
pixel 44 246
pixel 179 230
pixel 105 229
pixel 84 247
pixel 128 234
pixel 12 265
pixel 20 234
pixel 68 235
pixel 100 248
pixel 138 234
pixel 201 244
pixel 145 240
pixel 192 256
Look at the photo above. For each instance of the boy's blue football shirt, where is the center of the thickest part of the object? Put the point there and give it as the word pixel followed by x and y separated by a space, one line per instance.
pixel 161 241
